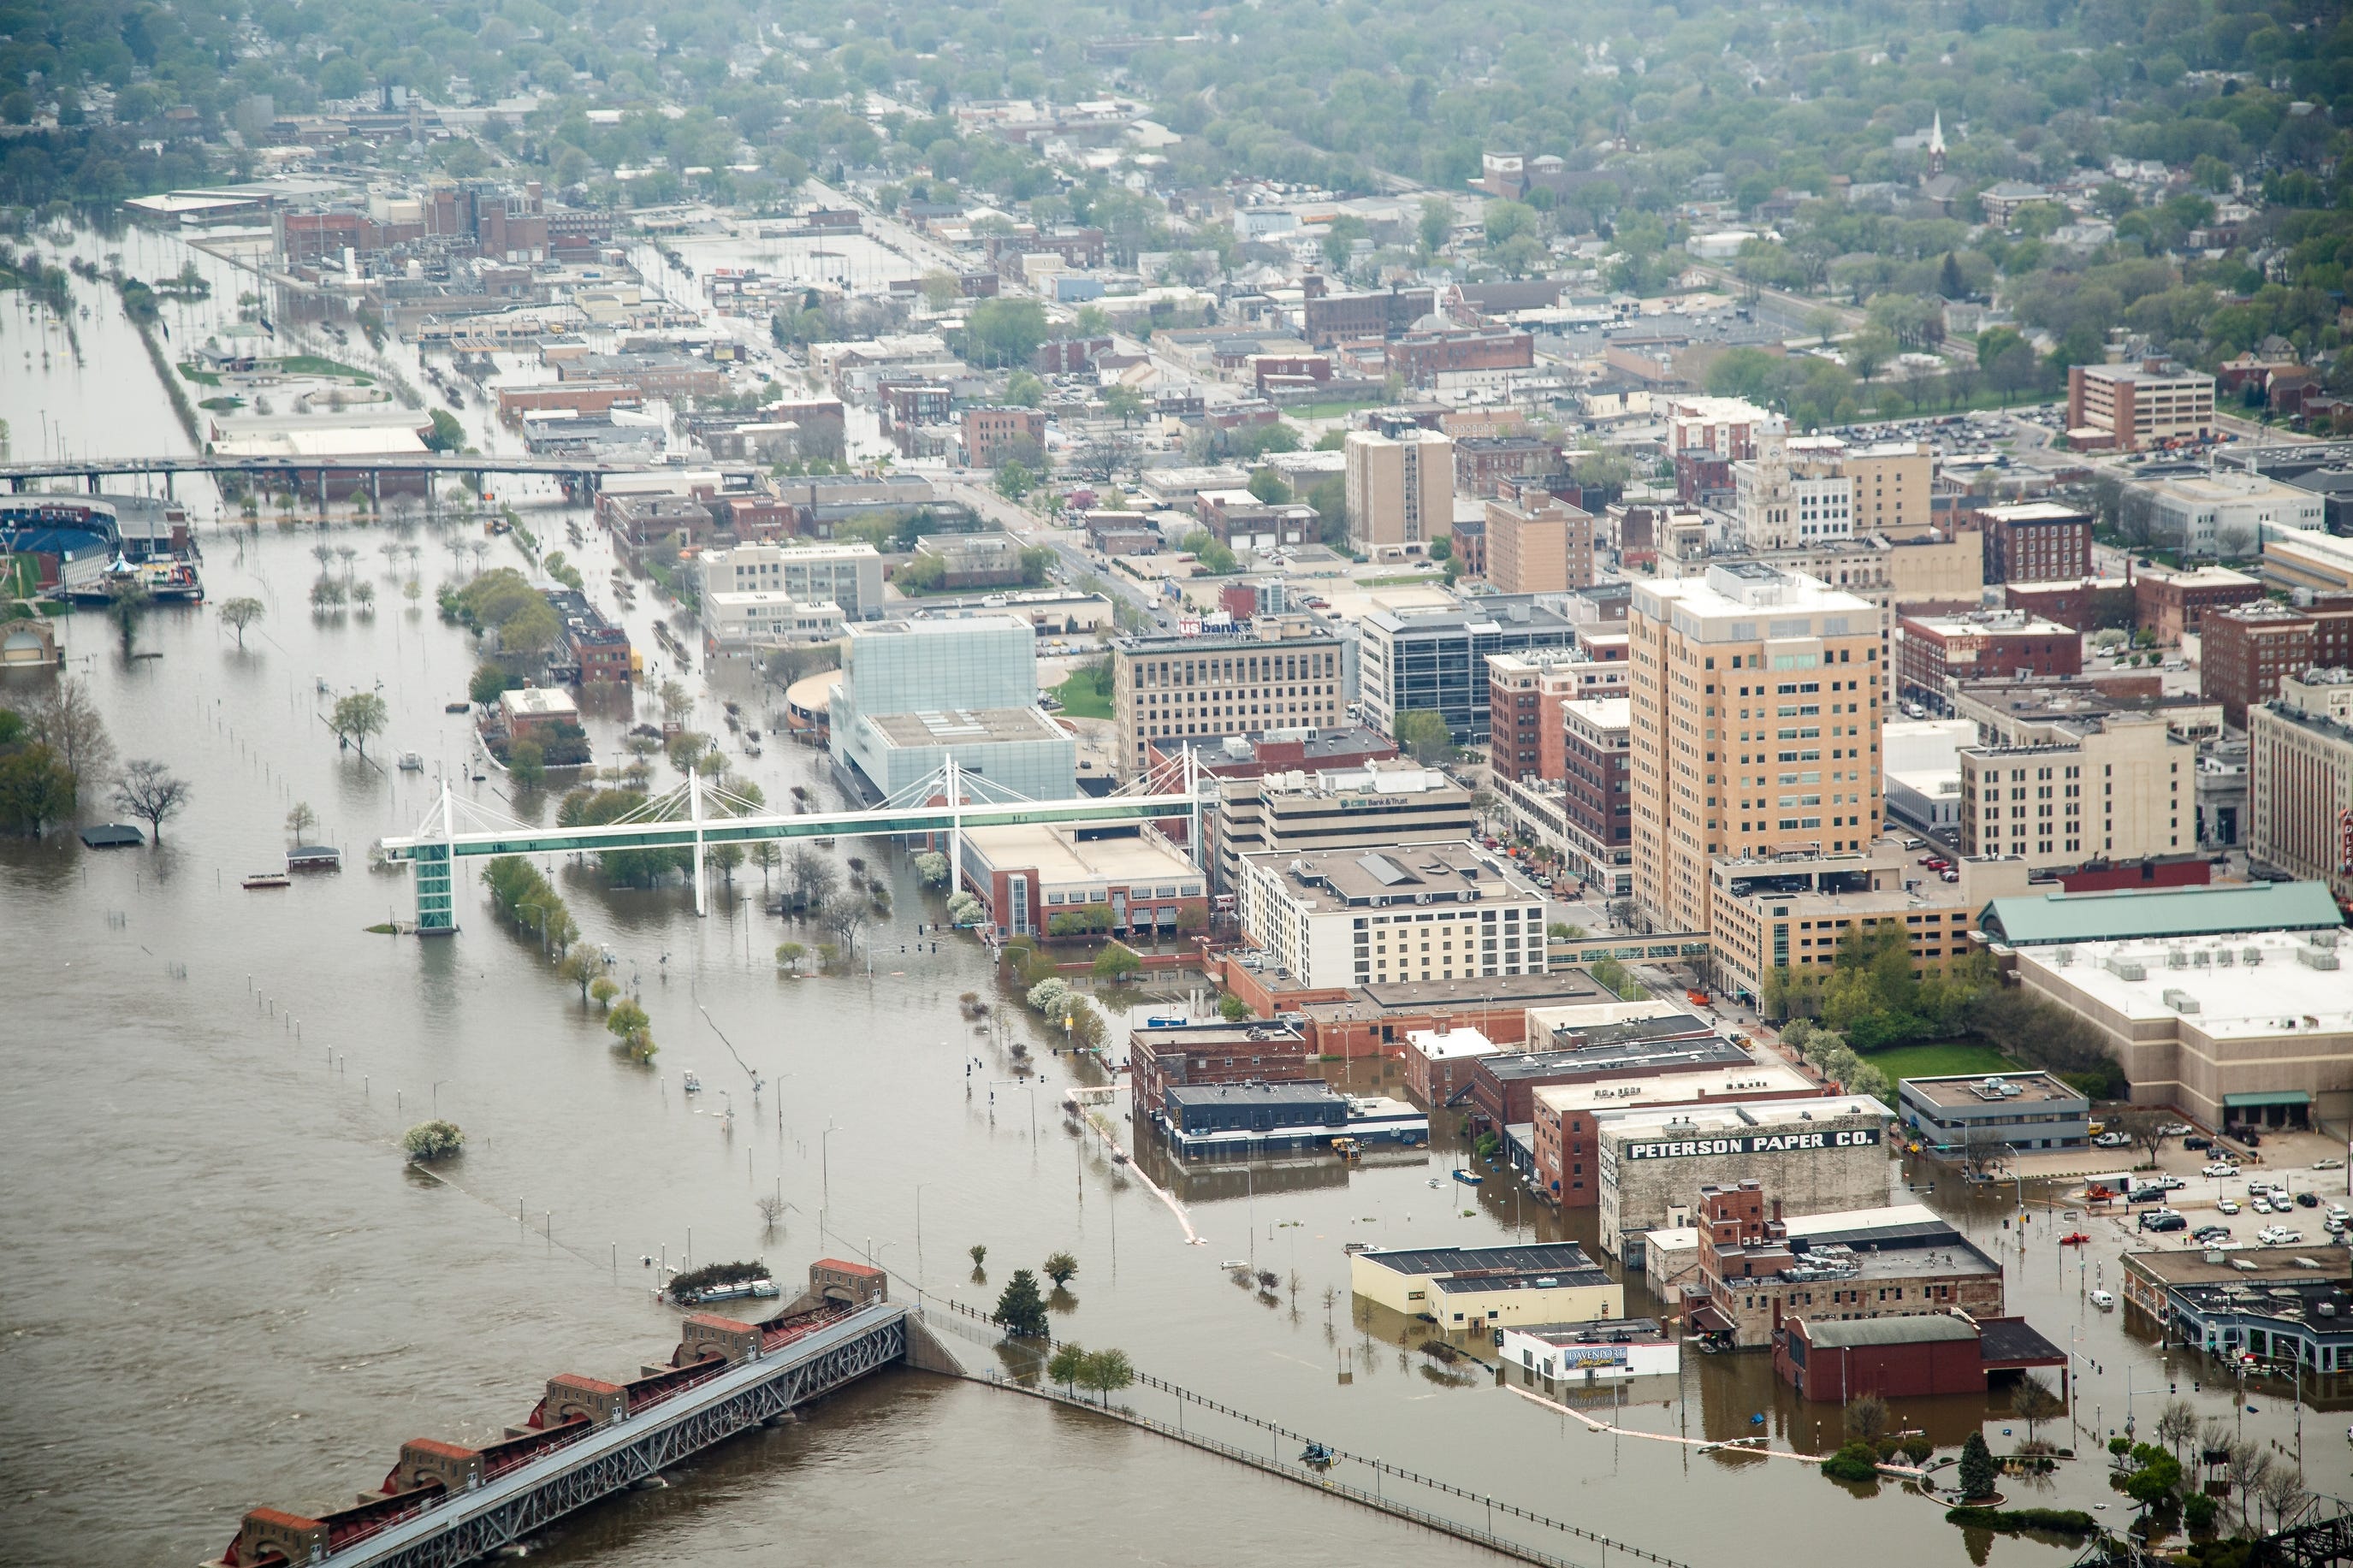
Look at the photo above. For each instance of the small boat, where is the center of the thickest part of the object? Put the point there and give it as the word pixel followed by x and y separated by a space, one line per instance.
pixel 1118 1156
pixel 457 707
pixel 736 1290
pixel 1319 1455
pixel 268 880
pixel 690 1082
pixel 2105 1301
pixel 1467 1178
pixel 412 762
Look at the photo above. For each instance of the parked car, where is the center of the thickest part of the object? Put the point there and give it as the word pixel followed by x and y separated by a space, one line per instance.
pixel 2330 1164
pixel 2149 1195
pixel 2175 1130
pixel 2211 1233
pixel 2172 1183
pixel 2228 1205
pixel 2259 1205
pixel 2197 1143
pixel 2307 1200
pixel 2278 1236
pixel 2111 1141
pixel 2164 1219
pixel 2220 1168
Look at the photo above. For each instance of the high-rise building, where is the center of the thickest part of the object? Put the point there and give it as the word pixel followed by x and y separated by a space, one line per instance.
pixel 2118 787
pixel 1754 727
pixel 1400 489
pixel 2248 650
pixel 1286 674
pixel 1356 808
pixel 2300 783
pixel 1538 543
pixel 1525 691
pixel 1891 481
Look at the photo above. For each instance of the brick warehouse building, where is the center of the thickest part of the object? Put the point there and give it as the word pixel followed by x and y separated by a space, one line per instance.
pixel 2248 649
pixel 1982 644
pixel 2036 541
pixel 1190 1054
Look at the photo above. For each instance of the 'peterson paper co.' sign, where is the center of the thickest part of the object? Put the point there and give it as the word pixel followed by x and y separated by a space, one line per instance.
pixel 1750 1144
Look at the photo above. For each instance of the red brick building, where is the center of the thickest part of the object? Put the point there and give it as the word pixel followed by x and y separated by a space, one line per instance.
pixel 2247 649
pixel 2172 604
pixel 1833 1361
pixel 995 433
pixel 1254 1051
pixel 2036 541
pixel 1482 463
pixel 1421 357
pixel 1982 644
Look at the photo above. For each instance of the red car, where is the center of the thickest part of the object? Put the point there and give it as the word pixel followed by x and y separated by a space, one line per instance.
pixel 2074 1238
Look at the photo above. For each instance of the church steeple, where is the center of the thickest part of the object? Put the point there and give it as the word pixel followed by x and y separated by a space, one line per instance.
pixel 1936 143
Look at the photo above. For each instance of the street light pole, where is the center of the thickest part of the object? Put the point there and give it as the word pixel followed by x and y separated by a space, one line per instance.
pixel 437 1097
pixel 825 1173
pixel 919 1233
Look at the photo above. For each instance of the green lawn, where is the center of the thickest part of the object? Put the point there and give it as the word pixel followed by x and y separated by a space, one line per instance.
pixel 201 377
pixel 1943 1059
pixel 1080 698
pixel 313 365
pixel 1333 407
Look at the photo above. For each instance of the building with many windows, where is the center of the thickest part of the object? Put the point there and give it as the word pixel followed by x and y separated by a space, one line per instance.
pixel 1359 808
pixel 2247 651
pixel 1056 879
pixel 2132 407
pixel 1754 727
pixel 2300 778
pixel 1436 660
pixel 1413 911
pixel 850 576
pixel 2121 787
pixel 1538 543
pixel 1795 491
pixel 1967 1115
pixel 1980 645
pixel 1284 674
pixel 1597 811
pixel 1400 490
pixel 2036 541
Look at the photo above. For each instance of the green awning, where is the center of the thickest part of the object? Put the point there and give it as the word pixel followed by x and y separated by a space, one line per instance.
pixel 2274 1097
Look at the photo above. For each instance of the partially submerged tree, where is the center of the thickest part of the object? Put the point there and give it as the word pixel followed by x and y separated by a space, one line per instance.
pixel 147 789
pixel 428 1141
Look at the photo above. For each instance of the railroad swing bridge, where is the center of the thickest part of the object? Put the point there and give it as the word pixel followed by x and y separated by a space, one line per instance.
pixel 443 1504
pixel 699 815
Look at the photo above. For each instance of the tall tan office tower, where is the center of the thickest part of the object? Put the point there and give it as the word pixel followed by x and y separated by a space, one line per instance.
pixel 1754 727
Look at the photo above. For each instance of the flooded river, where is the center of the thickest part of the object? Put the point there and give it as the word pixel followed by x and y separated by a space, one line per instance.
pixel 226 1290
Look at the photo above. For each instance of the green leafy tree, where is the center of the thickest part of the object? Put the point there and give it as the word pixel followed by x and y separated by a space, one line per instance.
pixel 36 788
pixel 488 681
pixel 1061 1268
pixel 1021 1307
pixel 1422 732
pixel 1067 1365
pixel 582 969
pixel 241 612
pixel 1117 963
pixel 1232 1008
pixel 357 717
pixel 1106 1372
pixel 430 1141
pixel 626 1023
pixel 447 434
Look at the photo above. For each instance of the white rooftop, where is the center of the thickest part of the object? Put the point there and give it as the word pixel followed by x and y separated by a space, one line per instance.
pixel 1636 1120
pixel 1727 1084
pixel 1452 1046
pixel 2227 996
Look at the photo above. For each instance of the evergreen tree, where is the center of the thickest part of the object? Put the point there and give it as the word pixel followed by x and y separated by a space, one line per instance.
pixel 1977 1467
pixel 1021 1309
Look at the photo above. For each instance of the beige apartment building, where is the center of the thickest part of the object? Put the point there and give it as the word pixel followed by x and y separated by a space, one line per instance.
pixel 1400 490
pixel 1538 544
pixel 2300 778
pixel 2118 787
pixel 1754 727
pixel 1286 674
pixel 2132 407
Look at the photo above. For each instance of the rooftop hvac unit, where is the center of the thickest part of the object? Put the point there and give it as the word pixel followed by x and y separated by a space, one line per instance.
pixel 2125 968
pixel 2224 958
pixel 2327 939
pixel 2180 1001
pixel 2199 959
pixel 2174 958
pixel 2316 957
pixel 2061 957
pixel 2252 956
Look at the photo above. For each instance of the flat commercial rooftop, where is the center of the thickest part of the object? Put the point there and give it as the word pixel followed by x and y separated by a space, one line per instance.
pixel 2189 1265
pixel 2226 994
pixel 1720 1117
pixel 1059 857
pixel 2033 1088
pixel 1624 1056
pixel 967 727
pixel 1508 994
pixel 1544 1266
pixel 2221 907
pixel 1305 1091
pixel 1725 1083
pixel 1448 873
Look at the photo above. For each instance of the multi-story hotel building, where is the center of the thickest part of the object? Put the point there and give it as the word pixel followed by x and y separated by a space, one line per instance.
pixel 1400 490
pixel 1754 727
pixel 2118 787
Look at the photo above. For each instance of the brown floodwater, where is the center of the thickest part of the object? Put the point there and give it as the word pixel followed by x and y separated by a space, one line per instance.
pixel 226 1290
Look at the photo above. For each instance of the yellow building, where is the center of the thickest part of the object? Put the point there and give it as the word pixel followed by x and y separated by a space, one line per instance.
pixel 1754 727
pixel 1400 490
pixel 1465 1290
pixel 1891 486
